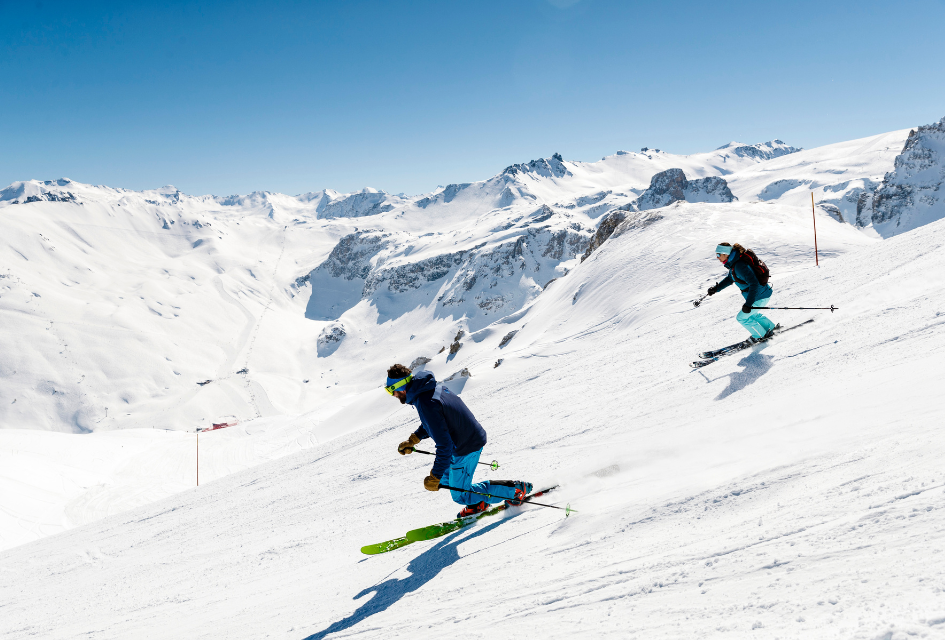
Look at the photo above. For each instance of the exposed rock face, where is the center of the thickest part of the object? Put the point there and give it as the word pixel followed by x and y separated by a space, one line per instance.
pixel 330 339
pixel 764 150
pixel 445 196
pixel 667 187
pixel 52 196
pixel 911 195
pixel 462 373
pixel 367 202
pixel 711 189
pixel 552 167
pixel 620 222
pixel 508 338
pixel 479 281
pixel 338 283
pixel 35 191
pixel 351 257
pixel 843 200
pixel 604 230
pixel 327 203
pixel 457 345
pixel 419 363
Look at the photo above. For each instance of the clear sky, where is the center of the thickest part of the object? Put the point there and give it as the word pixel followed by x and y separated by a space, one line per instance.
pixel 231 97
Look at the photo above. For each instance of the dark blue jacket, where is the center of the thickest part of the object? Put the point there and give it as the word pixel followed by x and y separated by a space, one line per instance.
pixel 445 418
pixel 741 273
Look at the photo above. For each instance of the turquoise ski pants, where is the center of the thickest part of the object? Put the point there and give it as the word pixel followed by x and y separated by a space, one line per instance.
pixel 460 473
pixel 756 323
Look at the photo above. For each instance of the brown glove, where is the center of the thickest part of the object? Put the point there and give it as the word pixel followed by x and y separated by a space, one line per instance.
pixel 406 446
pixel 431 483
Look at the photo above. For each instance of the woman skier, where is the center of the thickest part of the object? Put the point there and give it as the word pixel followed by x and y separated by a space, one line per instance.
pixel 744 269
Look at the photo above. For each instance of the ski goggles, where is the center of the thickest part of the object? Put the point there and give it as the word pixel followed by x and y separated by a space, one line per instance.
pixel 396 385
pixel 723 250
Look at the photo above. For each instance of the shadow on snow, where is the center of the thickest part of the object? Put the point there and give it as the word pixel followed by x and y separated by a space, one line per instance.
pixel 755 365
pixel 423 568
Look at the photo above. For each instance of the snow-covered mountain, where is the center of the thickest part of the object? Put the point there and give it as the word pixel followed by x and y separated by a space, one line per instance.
pixel 910 195
pixel 197 288
pixel 556 295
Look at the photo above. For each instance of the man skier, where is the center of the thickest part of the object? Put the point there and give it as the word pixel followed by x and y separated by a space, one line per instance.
pixel 459 440
pixel 742 273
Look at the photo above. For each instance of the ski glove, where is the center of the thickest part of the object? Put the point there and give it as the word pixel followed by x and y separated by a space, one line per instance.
pixel 746 308
pixel 431 483
pixel 714 289
pixel 406 446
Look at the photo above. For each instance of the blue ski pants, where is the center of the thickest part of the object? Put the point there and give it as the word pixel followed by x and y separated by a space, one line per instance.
pixel 756 323
pixel 460 473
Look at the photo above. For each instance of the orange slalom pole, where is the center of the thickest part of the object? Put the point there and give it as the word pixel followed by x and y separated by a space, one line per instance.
pixel 814 215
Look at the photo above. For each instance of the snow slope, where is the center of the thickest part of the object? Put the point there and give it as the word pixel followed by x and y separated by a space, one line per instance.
pixel 156 310
pixel 791 491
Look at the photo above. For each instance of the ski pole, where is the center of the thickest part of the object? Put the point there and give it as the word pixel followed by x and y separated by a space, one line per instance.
pixel 492 465
pixel 696 303
pixel 567 510
pixel 831 308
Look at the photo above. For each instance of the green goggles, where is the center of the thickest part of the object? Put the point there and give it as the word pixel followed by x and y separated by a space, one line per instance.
pixel 397 386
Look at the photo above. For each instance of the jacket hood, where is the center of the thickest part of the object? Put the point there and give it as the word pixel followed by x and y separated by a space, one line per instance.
pixel 421 383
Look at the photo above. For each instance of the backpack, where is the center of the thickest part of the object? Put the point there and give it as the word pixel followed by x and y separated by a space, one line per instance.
pixel 758 266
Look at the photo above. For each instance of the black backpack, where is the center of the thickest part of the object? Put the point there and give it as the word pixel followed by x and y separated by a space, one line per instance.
pixel 758 266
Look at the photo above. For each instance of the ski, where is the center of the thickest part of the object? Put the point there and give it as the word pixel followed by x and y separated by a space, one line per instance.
pixel 443 528
pixel 453 525
pixel 384 547
pixel 708 357
pixel 738 346
pixel 437 530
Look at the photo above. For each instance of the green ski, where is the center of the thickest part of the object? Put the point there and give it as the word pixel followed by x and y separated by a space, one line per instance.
pixel 437 530
pixel 443 528
pixel 384 547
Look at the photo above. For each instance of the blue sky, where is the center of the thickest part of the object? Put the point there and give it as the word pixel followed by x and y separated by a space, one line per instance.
pixel 232 97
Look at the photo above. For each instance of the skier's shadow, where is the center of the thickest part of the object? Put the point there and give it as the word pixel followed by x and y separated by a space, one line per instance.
pixel 755 365
pixel 422 569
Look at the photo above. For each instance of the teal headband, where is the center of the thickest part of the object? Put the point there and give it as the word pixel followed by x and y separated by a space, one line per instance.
pixel 723 249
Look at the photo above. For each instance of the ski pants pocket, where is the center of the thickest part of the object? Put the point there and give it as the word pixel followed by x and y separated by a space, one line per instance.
pixel 460 475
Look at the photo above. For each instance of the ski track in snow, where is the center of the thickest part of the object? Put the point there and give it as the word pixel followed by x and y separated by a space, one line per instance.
pixel 794 490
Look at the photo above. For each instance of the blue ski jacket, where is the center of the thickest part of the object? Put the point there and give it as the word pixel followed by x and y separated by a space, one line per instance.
pixel 741 273
pixel 445 418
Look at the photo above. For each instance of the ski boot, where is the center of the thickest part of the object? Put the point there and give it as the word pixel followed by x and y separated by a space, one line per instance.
pixel 472 509
pixel 770 333
pixel 522 489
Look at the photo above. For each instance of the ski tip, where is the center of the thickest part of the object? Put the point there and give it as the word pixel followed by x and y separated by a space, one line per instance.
pixel 384 547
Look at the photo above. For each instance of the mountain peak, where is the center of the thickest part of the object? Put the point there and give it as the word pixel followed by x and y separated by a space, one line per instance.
pixel 552 167
pixel 760 151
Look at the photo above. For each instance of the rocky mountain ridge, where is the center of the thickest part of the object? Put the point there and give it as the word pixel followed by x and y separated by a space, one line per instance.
pixel 667 187
pixel 912 193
